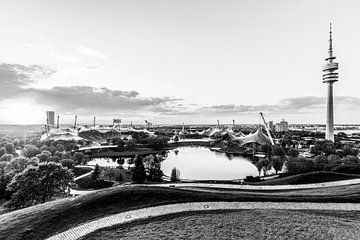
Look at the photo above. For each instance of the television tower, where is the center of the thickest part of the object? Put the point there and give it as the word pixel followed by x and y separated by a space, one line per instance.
pixel 329 77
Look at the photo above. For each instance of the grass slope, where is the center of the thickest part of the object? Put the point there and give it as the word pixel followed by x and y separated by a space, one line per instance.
pixel 44 220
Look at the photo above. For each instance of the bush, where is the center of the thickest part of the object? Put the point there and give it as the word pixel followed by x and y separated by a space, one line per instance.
pixel 350 160
pixel 78 171
pixel 320 161
pixel 345 168
pixel 252 179
pixel 297 165
pixel 88 182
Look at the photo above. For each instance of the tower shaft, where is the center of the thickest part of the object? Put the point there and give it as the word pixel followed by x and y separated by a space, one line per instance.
pixel 330 76
pixel 329 135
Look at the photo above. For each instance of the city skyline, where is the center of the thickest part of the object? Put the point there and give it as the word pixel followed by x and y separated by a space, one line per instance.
pixel 174 62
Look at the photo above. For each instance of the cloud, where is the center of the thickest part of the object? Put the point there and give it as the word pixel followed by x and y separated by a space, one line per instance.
pixel 90 99
pixel 14 77
pixel 92 52
pixel 303 105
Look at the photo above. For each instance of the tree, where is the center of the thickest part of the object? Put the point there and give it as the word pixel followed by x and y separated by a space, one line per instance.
pixel 16 142
pixel 10 148
pixel 69 163
pixel 154 170
pixel 96 173
pixel 334 159
pixel 30 151
pixel 52 150
pixel 349 150
pixel 111 173
pixel 174 175
pixel 277 150
pixel 60 147
pixel 265 164
pixel 277 163
pixel 120 161
pixel 130 144
pixel 328 148
pixel 66 155
pixel 293 152
pixel 43 157
pixel 320 161
pixel 78 157
pixel 58 154
pixel 119 142
pixel 17 165
pixel 55 159
pixel 38 184
pixel 2 151
pixel 44 147
pixel 6 157
pixel 138 172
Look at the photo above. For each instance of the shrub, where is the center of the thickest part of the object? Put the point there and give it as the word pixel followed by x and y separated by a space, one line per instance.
pixel 252 179
pixel 88 182
pixel 350 160
pixel 78 171
pixel 345 168
pixel 297 165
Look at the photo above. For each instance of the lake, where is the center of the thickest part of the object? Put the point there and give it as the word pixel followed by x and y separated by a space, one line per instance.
pixel 199 163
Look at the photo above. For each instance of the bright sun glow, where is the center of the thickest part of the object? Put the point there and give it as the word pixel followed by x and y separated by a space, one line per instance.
pixel 22 111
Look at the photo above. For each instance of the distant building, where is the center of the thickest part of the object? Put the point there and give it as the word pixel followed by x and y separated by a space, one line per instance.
pixel 50 118
pixel 271 125
pixel 282 126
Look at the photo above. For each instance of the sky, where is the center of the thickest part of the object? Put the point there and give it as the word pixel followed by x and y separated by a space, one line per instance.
pixel 169 62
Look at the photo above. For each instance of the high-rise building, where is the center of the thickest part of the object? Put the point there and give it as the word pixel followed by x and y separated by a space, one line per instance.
pixel 50 118
pixel 282 126
pixel 329 77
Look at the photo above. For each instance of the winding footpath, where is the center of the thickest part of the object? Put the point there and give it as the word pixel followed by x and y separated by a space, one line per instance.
pixel 129 216
pixel 244 187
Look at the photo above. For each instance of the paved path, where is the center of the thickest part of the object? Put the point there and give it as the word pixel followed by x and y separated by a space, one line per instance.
pixel 246 187
pixel 129 216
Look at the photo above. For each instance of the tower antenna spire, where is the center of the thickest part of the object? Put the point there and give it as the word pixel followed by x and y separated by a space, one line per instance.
pixel 330 43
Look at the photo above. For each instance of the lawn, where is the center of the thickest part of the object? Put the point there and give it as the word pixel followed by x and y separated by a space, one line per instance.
pixel 242 224
pixel 44 220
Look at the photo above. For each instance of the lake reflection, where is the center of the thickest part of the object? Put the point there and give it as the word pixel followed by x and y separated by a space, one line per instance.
pixel 199 163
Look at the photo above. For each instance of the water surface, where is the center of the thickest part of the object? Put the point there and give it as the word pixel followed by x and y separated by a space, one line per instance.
pixel 199 163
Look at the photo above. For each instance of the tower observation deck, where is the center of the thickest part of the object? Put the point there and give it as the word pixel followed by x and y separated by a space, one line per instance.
pixel 330 76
